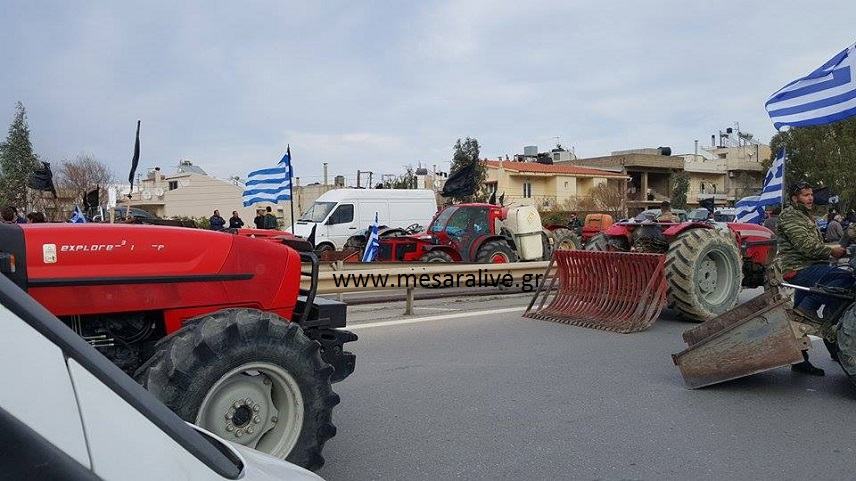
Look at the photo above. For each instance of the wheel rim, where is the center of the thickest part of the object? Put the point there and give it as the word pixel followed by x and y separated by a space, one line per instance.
pixel 499 258
pixel 567 245
pixel 714 277
pixel 258 405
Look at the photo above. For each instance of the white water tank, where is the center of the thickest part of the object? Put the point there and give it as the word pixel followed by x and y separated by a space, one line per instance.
pixel 524 223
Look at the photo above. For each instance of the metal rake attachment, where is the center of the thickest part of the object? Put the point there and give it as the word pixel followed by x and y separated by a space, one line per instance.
pixel 613 291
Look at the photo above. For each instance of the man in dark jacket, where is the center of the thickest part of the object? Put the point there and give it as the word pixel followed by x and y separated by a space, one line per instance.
pixel 270 219
pixel 216 222
pixel 259 220
pixel 805 261
pixel 235 221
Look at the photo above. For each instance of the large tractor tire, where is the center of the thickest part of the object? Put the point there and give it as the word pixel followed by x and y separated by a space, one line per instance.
pixel 437 256
pixel 846 341
pixel 249 377
pixel 565 240
pixel 704 270
pixel 495 252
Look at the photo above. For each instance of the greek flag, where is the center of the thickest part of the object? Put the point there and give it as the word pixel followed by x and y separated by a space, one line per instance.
pixel 77 217
pixel 751 209
pixel 824 96
pixel 372 244
pixel 270 185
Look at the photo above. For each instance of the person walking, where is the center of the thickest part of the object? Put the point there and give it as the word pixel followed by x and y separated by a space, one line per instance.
pixel 235 221
pixel 216 222
pixel 575 224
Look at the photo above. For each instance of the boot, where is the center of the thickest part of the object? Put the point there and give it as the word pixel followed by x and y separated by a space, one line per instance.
pixel 807 367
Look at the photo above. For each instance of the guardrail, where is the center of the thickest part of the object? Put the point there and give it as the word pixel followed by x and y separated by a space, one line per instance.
pixel 412 273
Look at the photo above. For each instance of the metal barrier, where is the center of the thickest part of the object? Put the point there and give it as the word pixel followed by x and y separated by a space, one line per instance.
pixel 614 291
pixel 395 272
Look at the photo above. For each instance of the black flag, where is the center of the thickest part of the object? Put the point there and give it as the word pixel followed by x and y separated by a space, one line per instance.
pixel 90 200
pixel 707 204
pixel 311 238
pixel 461 183
pixel 502 199
pixel 42 179
pixel 822 196
pixel 135 160
pixel 492 198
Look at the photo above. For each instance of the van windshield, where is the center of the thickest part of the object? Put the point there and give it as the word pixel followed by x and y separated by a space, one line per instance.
pixel 317 212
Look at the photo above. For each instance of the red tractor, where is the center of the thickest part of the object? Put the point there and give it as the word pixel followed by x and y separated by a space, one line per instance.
pixel 214 324
pixel 484 233
pixel 706 262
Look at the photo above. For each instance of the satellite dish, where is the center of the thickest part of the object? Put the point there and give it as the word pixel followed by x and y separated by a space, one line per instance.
pixel 147 195
pixel 159 192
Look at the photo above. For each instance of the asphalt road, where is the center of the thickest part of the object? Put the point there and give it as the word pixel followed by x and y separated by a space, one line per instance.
pixel 496 396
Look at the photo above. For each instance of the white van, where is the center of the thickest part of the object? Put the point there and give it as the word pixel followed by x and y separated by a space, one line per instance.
pixel 341 213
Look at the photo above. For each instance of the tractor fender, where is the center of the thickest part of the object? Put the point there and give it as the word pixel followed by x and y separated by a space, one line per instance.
pixel 760 254
pixel 456 256
pixel 678 229
pixel 620 230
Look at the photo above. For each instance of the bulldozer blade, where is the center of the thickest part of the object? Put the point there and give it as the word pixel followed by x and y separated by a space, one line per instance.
pixel 754 337
pixel 613 291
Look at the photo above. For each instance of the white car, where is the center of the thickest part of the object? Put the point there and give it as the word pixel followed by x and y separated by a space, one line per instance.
pixel 66 412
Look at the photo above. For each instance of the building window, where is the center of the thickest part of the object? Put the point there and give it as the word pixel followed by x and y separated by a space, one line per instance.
pixel 173 184
pixel 722 156
pixel 527 189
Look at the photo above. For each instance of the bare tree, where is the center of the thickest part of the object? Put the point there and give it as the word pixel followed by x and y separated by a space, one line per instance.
pixel 81 175
pixel 608 198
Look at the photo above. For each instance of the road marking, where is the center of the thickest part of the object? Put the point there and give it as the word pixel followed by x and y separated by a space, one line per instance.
pixel 441 317
pixel 437 308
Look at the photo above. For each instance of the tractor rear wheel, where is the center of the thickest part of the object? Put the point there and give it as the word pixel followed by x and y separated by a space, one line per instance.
pixel 436 256
pixel 846 341
pixel 565 240
pixel 704 270
pixel 249 377
pixel 495 252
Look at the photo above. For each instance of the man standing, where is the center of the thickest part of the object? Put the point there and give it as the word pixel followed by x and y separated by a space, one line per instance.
pixel 270 219
pixel 575 224
pixel 235 221
pixel 805 261
pixel 666 214
pixel 216 222
pixel 259 220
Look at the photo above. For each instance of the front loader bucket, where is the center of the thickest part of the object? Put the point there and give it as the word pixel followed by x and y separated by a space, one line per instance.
pixel 753 337
pixel 614 291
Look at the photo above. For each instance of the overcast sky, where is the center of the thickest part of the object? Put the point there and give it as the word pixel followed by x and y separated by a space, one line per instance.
pixel 379 85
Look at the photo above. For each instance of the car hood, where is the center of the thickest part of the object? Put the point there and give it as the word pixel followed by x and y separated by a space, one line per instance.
pixel 259 466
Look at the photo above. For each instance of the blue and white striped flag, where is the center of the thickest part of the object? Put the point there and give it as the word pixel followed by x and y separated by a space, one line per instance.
pixel 373 244
pixel 270 185
pixel 751 209
pixel 824 96
pixel 77 216
pixel 748 210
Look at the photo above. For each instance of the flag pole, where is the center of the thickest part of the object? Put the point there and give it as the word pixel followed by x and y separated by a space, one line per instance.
pixel 290 186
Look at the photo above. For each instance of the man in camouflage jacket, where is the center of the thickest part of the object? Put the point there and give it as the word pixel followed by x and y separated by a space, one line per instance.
pixel 805 259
